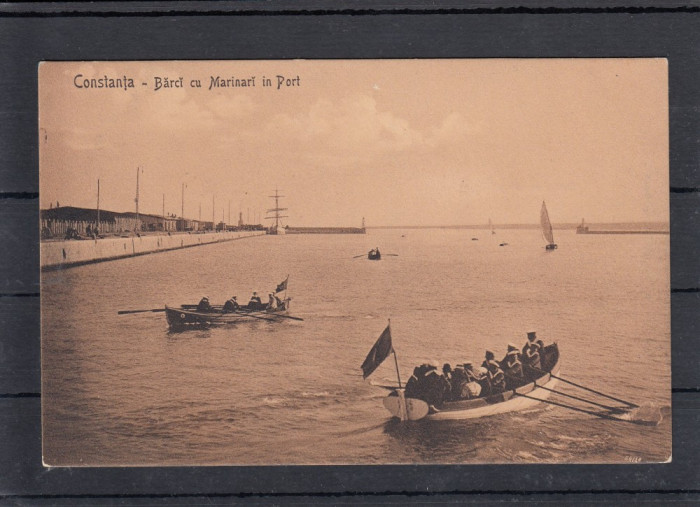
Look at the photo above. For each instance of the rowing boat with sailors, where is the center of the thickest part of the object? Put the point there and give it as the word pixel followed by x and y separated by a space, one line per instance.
pixel 525 377
pixel 204 314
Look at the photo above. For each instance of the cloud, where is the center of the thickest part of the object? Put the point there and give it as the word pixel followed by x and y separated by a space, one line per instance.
pixel 352 127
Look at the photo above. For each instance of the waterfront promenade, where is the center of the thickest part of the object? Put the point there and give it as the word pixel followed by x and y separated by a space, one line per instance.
pixel 68 253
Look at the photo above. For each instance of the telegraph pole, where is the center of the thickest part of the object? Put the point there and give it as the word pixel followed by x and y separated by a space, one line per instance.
pixel 98 203
pixel 138 169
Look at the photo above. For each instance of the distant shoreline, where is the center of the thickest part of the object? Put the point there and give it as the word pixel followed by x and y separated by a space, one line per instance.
pixel 659 227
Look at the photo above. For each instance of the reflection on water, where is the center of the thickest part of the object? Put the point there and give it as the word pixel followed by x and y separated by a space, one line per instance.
pixel 123 389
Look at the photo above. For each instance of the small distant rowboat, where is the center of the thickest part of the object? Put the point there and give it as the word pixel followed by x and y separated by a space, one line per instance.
pixel 374 255
pixel 519 398
pixel 185 317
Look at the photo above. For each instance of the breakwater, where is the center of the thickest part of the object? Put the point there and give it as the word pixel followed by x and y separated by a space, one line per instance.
pixel 324 230
pixel 622 232
pixel 64 254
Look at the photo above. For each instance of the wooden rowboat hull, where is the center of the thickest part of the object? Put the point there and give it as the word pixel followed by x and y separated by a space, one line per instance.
pixel 182 318
pixel 508 401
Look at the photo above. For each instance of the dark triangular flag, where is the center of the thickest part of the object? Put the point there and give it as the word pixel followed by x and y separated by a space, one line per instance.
pixel 381 350
pixel 282 286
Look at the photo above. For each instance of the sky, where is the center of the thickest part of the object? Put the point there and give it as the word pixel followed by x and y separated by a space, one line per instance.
pixel 398 142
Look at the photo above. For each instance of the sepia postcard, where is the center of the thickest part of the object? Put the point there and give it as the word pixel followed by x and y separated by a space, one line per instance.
pixel 446 261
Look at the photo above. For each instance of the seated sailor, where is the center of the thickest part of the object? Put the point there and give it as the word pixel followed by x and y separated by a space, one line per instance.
pixel 512 364
pixel 473 378
pixel 532 350
pixel 448 375
pixel 204 304
pixel 427 384
pixel 412 386
pixel 447 371
pixel 280 304
pixel 436 386
pixel 231 305
pixel 255 303
pixel 497 380
pixel 271 303
pixel 465 383
pixel 489 356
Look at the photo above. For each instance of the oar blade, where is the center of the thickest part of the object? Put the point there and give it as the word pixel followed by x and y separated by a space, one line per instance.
pixel 646 415
pixel 126 312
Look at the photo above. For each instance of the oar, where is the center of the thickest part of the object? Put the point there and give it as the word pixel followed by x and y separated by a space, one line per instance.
pixel 285 316
pixel 289 317
pixel 392 255
pixel 122 312
pixel 613 409
pixel 628 403
pixel 570 407
pixel 252 316
pixel 358 256
pixel 384 386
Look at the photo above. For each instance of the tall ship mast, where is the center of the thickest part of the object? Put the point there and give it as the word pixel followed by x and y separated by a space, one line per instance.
pixel 275 229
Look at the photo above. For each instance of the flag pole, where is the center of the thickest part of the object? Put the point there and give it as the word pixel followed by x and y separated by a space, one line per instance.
pixel 397 369
pixel 396 361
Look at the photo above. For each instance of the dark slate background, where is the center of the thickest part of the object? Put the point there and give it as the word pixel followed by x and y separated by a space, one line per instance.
pixel 312 29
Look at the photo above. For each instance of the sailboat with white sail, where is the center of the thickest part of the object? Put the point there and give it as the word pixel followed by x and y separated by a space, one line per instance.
pixel 547 228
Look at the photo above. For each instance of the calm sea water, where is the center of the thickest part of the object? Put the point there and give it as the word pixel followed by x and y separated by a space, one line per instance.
pixel 123 390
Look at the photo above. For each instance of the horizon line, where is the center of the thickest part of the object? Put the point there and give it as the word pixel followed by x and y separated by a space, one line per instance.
pixel 516 225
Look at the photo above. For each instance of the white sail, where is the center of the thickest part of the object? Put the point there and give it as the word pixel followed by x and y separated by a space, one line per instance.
pixel 546 225
pixel 491 227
